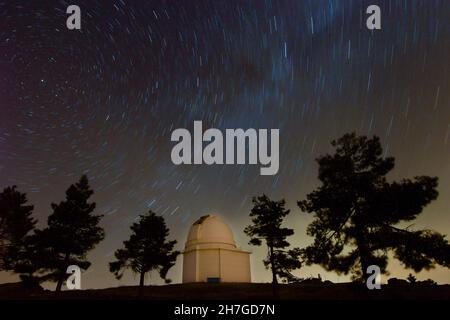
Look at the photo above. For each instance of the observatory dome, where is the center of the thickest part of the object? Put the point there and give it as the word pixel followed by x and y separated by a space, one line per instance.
pixel 211 254
pixel 210 230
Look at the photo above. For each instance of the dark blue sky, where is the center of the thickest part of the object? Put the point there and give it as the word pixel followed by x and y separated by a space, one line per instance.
pixel 104 100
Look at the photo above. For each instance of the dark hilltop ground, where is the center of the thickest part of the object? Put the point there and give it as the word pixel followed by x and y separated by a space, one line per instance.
pixel 238 291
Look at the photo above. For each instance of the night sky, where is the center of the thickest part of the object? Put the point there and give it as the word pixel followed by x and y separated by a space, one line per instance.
pixel 104 100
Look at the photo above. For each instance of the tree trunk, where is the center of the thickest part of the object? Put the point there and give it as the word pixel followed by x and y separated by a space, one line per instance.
pixel 141 279
pixel 141 285
pixel 364 263
pixel 62 274
pixel 364 254
pixel 274 272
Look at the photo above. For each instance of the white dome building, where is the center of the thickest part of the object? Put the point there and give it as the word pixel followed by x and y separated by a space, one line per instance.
pixel 211 255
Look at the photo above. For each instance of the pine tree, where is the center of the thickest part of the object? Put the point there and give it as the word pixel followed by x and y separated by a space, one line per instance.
pixel 146 250
pixel 71 233
pixel 32 260
pixel 357 212
pixel 15 224
pixel 411 279
pixel 267 216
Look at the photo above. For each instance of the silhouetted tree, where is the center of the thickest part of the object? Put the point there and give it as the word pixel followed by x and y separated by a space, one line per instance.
pixel 146 250
pixel 285 262
pixel 15 224
pixel 267 216
pixel 33 259
pixel 71 233
pixel 411 279
pixel 356 211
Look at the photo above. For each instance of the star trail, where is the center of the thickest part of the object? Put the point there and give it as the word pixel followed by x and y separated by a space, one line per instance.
pixel 104 100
